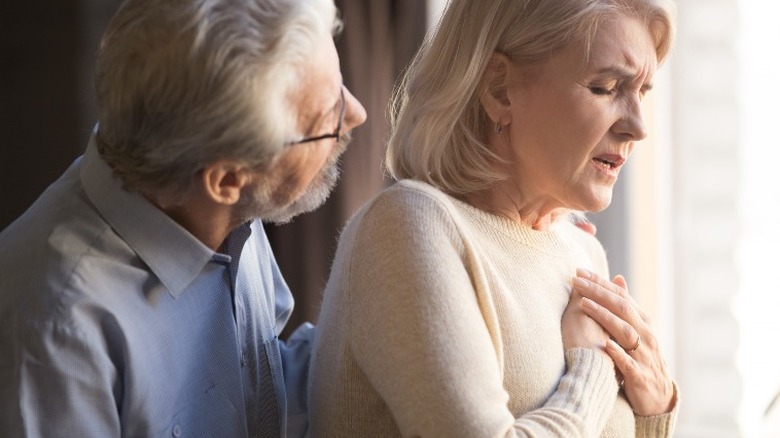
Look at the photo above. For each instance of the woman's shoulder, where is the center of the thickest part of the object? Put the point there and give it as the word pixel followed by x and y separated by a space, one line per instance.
pixel 406 206
pixel 408 196
pixel 413 189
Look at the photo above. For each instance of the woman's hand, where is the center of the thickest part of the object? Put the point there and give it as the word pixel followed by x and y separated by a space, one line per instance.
pixel 633 345
pixel 579 330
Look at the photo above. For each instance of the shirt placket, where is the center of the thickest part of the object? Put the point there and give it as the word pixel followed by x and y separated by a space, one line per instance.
pixel 257 362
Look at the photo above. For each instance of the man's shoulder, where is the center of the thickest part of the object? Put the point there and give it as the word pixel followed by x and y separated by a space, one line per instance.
pixel 58 224
pixel 54 248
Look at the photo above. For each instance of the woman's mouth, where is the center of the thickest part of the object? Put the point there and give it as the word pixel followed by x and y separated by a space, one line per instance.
pixel 609 163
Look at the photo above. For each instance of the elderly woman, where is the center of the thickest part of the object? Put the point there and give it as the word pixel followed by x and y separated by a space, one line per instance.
pixel 462 302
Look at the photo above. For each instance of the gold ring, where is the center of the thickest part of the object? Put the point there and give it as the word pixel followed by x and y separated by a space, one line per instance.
pixel 638 343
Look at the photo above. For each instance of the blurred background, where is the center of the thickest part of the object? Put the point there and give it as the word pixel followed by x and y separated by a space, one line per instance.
pixel 693 226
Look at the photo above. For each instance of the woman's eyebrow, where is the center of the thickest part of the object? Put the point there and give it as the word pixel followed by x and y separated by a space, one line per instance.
pixel 619 72
pixel 616 71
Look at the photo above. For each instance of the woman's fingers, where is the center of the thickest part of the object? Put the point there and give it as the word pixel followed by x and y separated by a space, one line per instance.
pixel 633 347
pixel 620 330
pixel 604 285
pixel 620 281
pixel 626 364
pixel 612 311
pixel 578 329
pixel 646 381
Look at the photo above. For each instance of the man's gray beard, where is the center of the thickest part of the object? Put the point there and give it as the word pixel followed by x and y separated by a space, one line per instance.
pixel 268 206
pixel 315 195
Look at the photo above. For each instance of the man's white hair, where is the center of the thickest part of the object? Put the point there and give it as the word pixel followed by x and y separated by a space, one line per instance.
pixel 184 83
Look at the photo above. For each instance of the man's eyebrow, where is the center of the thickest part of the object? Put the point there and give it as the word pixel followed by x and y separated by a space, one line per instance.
pixel 337 104
pixel 322 116
pixel 334 107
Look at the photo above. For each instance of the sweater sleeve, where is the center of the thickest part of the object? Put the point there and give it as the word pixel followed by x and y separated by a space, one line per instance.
pixel 417 330
pixel 659 425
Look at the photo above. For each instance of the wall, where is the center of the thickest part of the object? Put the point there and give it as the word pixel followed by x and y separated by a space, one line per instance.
pixel 758 299
pixel 706 182
pixel 46 99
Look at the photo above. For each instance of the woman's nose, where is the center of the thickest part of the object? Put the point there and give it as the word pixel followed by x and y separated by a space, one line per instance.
pixel 631 123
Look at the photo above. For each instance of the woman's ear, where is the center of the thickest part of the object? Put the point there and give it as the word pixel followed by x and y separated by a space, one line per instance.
pixel 494 89
pixel 223 180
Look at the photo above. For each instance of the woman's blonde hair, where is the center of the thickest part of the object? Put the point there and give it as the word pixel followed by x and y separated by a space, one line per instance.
pixel 438 125
pixel 183 83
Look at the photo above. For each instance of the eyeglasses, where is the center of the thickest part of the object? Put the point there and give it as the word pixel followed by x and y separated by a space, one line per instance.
pixel 336 134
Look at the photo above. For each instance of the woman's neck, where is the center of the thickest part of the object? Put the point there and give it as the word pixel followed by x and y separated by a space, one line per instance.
pixel 538 214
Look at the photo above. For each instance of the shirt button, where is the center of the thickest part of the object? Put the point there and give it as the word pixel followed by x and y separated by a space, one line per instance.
pixel 176 431
pixel 243 359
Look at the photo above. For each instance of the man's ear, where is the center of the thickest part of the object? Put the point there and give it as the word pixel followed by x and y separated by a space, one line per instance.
pixel 494 89
pixel 223 180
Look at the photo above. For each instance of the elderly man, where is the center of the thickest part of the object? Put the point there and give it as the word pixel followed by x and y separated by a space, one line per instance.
pixel 139 295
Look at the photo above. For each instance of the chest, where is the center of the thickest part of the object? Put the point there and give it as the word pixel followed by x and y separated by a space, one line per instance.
pixel 528 290
pixel 199 361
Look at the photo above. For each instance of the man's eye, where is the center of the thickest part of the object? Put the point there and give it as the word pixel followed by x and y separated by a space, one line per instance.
pixel 602 91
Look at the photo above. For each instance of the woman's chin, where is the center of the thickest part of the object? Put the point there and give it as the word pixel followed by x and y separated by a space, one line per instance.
pixel 596 202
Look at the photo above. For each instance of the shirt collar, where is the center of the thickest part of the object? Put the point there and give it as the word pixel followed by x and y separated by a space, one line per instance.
pixel 174 255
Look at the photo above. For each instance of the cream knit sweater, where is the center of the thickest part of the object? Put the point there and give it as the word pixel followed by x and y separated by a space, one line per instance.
pixel 441 320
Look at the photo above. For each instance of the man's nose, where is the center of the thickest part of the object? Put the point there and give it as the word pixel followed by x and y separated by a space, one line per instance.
pixel 354 114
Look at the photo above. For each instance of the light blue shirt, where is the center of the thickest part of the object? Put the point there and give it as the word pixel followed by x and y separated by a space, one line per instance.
pixel 116 321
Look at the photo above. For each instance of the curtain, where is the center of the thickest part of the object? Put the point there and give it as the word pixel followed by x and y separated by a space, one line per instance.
pixel 379 39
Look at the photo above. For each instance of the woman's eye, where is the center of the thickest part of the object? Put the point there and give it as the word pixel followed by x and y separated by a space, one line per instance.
pixel 602 91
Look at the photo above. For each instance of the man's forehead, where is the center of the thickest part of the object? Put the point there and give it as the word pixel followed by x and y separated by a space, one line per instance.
pixel 320 85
